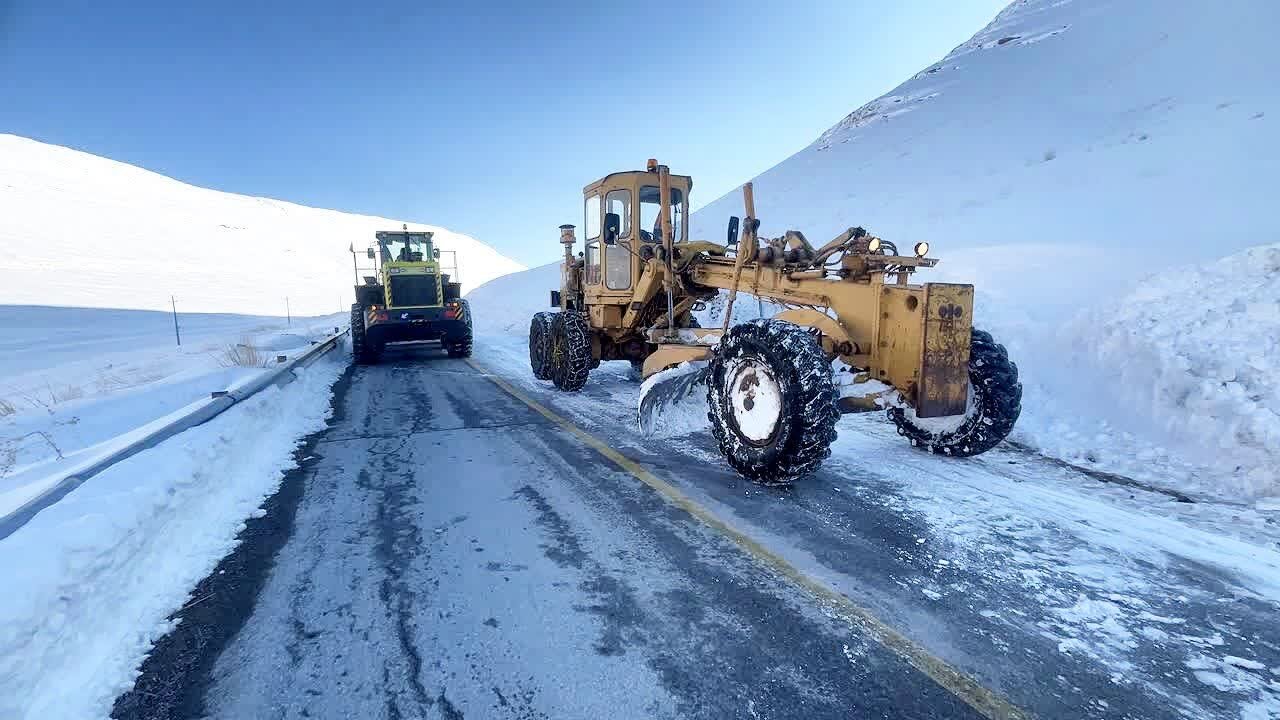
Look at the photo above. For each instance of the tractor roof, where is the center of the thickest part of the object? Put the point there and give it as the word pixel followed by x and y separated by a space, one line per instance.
pixel 612 178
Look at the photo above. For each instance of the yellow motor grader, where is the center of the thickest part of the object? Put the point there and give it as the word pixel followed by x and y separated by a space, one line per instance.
pixel 855 335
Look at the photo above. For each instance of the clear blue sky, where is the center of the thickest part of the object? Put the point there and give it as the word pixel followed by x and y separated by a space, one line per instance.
pixel 483 117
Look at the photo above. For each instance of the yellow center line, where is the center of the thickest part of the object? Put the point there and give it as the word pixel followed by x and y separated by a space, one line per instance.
pixel 977 696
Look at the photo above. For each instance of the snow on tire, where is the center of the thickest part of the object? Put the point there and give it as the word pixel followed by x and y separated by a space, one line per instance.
pixel 771 401
pixel 540 345
pixel 995 402
pixel 570 350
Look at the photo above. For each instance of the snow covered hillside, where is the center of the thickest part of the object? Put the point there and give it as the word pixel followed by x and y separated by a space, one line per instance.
pixel 1066 153
pixel 80 230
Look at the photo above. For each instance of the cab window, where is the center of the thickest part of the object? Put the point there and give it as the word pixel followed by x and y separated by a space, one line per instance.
pixel 591 232
pixel 619 203
pixel 617 258
pixel 651 223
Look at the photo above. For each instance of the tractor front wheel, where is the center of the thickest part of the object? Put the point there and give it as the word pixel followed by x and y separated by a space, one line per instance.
pixel 570 350
pixel 995 401
pixel 772 402
pixel 540 345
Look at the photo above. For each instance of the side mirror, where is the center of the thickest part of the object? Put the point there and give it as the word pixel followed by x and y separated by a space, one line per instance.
pixel 733 231
pixel 369 253
pixel 435 253
pixel 612 228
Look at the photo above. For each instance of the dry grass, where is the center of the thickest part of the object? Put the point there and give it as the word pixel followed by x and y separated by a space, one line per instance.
pixel 242 354
pixel 65 393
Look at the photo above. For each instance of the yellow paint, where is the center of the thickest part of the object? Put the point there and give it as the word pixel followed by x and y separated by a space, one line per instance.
pixel 982 699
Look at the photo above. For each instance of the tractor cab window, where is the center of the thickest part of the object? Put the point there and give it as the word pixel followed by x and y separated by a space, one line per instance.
pixel 405 247
pixel 617 258
pixel 591 260
pixel 650 220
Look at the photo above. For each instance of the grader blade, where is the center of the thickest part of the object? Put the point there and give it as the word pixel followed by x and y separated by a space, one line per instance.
pixel 671 395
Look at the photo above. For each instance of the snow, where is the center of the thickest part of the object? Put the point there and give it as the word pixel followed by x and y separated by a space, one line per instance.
pixel 76 383
pixel 678 415
pixel 81 230
pixel 507 304
pixel 94 577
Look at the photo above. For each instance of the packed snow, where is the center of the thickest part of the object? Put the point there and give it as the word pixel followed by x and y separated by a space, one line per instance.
pixel 94 577
pixel 81 230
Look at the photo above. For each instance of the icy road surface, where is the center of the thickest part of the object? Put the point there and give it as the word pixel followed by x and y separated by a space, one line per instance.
pixel 445 551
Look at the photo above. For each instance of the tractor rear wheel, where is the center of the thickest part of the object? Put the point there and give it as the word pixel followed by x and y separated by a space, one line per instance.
pixel 995 401
pixel 461 347
pixel 772 401
pixel 570 350
pixel 540 345
pixel 364 352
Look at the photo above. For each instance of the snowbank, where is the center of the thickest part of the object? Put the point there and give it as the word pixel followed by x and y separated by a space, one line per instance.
pixel 135 237
pixel 1193 357
pixel 505 305
pixel 73 380
pixel 91 580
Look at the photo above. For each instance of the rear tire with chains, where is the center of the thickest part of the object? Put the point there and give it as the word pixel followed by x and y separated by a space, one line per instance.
pixel 570 350
pixel 362 350
pixel 996 405
pixel 461 348
pixel 762 365
pixel 540 345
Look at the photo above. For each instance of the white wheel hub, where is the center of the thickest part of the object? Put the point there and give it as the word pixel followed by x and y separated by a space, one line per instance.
pixel 755 398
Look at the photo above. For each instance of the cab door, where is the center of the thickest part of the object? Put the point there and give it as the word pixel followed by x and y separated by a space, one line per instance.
pixel 608 268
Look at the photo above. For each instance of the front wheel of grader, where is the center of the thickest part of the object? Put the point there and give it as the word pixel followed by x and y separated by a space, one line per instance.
pixel 995 401
pixel 771 401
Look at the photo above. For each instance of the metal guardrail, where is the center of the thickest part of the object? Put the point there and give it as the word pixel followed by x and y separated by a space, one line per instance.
pixel 215 406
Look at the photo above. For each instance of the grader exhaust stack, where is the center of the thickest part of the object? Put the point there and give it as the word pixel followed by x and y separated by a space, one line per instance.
pixel 857 335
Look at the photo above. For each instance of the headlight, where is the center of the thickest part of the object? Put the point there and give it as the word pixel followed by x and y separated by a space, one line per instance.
pixel 922 249
pixel 873 245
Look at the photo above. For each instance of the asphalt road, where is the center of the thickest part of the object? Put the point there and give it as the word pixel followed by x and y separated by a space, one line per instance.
pixel 446 551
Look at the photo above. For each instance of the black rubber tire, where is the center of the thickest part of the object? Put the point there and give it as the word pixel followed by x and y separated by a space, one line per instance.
pixel 461 347
pixel 540 344
pixel 997 403
pixel 570 350
pixel 362 351
pixel 806 426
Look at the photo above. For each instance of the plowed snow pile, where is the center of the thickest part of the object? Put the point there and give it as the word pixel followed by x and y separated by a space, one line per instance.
pixel 1066 152
pixel 1195 352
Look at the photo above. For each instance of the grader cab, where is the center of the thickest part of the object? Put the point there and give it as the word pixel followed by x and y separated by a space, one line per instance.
pixel 856 334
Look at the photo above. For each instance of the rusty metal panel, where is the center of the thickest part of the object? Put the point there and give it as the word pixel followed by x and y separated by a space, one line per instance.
pixel 944 375
pixel 899 338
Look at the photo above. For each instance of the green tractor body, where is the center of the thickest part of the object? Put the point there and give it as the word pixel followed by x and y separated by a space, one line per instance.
pixel 407 299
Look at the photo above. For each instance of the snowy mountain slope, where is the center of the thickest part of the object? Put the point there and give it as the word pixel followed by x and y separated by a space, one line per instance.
pixel 1144 128
pixel 80 230
pixel 1066 152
